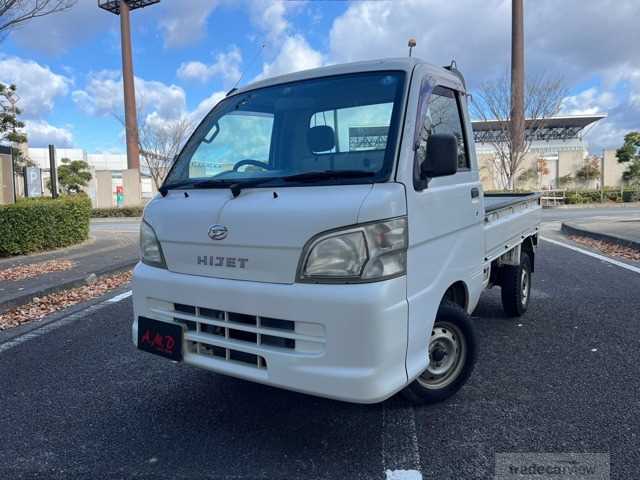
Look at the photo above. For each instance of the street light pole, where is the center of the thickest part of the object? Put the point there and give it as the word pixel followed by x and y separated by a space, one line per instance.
pixel 517 76
pixel 123 8
pixel 130 114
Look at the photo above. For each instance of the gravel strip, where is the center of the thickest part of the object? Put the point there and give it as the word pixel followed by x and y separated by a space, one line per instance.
pixel 608 248
pixel 35 269
pixel 43 306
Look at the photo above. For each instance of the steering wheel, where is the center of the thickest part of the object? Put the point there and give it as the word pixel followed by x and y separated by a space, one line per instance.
pixel 255 163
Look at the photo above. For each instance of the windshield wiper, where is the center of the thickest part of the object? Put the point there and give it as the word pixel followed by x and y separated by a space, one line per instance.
pixel 236 186
pixel 327 174
pixel 209 183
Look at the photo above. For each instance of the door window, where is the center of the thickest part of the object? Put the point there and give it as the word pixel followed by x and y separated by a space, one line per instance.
pixel 442 115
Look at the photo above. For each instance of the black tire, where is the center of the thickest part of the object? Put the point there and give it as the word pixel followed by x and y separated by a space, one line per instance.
pixel 426 389
pixel 515 300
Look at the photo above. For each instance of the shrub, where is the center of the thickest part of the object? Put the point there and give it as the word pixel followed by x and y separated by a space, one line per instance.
pixel 41 224
pixel 594 196
pixel 116 212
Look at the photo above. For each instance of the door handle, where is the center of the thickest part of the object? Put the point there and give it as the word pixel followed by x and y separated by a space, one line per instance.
pixel 475 192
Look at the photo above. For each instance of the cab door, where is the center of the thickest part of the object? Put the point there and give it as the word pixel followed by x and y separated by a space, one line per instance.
pixel 445 215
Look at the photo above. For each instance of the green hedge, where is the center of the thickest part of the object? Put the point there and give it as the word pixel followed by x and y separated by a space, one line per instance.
pixel 594 196
pixel 116 212
pixel 32 225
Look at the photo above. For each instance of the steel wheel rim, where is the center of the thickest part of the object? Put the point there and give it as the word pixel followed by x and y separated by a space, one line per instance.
pixel 524 286
pixel 445 338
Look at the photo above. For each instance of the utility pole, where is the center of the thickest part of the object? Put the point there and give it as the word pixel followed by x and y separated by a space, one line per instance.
pixel 130 115
pixel 123 8
pixel 517 76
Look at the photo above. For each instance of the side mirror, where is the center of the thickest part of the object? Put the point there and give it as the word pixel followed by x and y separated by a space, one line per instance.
pixel 441 156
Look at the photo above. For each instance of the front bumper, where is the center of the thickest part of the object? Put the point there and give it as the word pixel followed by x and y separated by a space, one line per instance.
pixel 346 342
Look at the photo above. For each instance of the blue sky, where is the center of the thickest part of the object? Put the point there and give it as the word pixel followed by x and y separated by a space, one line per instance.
pixel 187 53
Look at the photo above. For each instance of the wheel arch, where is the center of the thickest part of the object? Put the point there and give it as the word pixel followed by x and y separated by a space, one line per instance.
pixel 528 246
pixel 457 293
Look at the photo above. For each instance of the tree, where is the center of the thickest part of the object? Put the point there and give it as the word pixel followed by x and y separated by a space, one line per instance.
pixel 73 175
pixel 589 171
pixel 160 144
pixel 159 140
pixel 13 13
pixel 11 128
pixel 492 102
pixel 630 153
pixel 565 181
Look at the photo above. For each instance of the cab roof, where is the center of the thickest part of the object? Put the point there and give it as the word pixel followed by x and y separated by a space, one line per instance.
pixel 406 64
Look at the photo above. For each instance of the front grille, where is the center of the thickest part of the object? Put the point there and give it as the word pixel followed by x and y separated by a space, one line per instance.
pixel 251 359
pixel 245 339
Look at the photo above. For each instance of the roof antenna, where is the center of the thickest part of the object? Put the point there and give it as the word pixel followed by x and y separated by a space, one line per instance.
pixel 250 64
pixel 411 45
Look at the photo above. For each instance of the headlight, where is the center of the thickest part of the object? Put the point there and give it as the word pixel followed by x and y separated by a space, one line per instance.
pixel 363 253
pixel 150 249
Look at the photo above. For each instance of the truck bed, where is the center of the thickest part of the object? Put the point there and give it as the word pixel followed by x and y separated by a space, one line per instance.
pixel 509 219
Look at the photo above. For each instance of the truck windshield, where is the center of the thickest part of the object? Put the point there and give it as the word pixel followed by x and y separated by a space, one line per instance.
pixel 332 130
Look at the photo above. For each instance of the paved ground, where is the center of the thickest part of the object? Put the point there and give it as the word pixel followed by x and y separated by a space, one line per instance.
pixel 113 245
pixel 564 378
pixel 624 230
pixel 573 213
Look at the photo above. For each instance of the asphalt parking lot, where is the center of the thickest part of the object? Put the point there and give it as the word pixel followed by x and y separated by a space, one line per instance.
pixel 80 402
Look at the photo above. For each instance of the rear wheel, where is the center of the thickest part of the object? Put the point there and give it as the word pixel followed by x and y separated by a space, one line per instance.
pixel 516 287
pixel 452 356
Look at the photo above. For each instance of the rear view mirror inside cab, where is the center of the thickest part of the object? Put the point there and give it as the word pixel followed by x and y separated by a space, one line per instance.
pixel 321 138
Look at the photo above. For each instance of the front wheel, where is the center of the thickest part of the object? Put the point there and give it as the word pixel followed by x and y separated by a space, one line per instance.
pixel 516 287
pixel 452 356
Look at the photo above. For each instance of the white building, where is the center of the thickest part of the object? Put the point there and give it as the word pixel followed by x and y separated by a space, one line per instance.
pixel 558 143
pixel 114 163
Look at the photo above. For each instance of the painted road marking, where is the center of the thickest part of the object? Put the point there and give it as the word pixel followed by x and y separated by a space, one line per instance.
pixel 119 298
pixel 399 440
pixel 38 332
pixel 594 255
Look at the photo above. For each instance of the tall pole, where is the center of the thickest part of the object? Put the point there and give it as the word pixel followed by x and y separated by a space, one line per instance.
pixel 517 76
pixel 53 175
pixel 130 114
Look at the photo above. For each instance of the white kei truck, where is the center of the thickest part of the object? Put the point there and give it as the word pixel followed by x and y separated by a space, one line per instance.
pixel 326 232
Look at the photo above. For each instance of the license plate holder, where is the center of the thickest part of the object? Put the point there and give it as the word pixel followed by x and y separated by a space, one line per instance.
pixel 160 338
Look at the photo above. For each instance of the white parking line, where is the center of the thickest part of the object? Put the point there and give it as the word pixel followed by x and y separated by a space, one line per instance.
pixel 119 298
pixel 594 255
pixel 400 448
pixel 49 327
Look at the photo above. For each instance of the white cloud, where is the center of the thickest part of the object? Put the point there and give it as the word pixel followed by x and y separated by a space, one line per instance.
pixel 567 38
pixel 588 102
pixel 295 54
pixel 205 107
pixel 227 66
pixel 183 24
pixel 37 85
pixel 269 16
pixel 103 95
pixel 40 134
pixel 159 105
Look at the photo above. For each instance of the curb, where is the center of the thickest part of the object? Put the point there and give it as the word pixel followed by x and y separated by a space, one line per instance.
pixel 15 332
pixel 596 205
pixel 74 282
pixel 571 229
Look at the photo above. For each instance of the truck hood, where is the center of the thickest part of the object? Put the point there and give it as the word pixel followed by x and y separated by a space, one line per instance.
pixel 266 228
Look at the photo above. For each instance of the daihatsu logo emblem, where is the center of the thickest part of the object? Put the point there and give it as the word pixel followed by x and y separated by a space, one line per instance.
pixel 218 232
